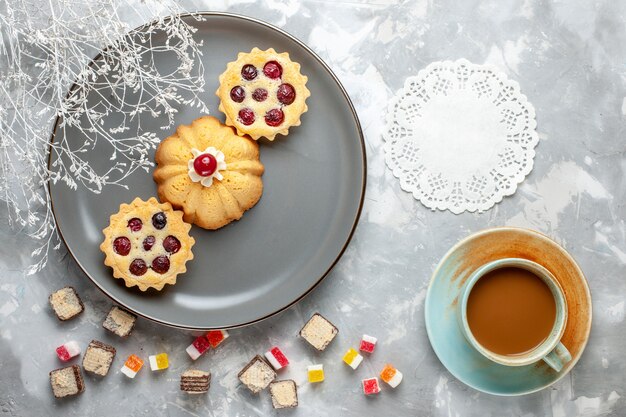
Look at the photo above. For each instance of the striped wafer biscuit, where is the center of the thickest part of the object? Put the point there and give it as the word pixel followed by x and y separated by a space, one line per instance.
pixel 194 381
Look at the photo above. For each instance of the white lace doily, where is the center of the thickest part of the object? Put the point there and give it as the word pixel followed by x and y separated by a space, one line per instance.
pixel 460 136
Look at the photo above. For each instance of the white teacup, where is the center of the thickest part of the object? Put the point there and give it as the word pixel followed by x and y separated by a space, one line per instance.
pixel 551 350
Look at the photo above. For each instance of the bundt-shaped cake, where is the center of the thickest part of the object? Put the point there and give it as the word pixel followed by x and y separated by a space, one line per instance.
pixel 209 172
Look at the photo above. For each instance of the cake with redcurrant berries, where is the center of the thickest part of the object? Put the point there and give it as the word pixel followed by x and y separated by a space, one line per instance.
pixel 209 172
pixel 147 244
pixel 263 93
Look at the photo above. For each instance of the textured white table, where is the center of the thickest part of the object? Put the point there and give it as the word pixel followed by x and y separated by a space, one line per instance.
pixel 569 58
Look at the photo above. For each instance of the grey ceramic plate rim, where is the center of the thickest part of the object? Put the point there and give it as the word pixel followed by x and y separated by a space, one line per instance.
pixel 356 216
pixel 436 272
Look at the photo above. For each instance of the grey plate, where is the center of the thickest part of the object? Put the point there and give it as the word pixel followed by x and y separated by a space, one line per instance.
pixel 283 247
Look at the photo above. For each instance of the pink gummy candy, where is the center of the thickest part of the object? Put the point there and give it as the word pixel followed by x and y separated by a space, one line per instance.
pixel 368 344
pixel 276 358
pixel 201 344
pixel 370 386
pixel 63 354
pixel 280 357
pixel 68 350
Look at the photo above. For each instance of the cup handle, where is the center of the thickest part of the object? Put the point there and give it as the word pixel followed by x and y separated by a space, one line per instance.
pixel 558 357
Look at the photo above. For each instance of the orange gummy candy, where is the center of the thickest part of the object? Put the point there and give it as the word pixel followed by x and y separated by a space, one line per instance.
pixel 387 373
pixel 134 363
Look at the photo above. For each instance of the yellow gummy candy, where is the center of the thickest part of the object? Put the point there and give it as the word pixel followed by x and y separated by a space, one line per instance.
pixel 161 360
pixel 316 373
pixel 350 355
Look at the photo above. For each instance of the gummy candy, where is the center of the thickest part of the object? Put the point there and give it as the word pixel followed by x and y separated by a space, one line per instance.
pixel 370 386
pixel 316 373
pixel 198 347
pixel 391 376
pixel 368 343
pixel 352 358
pixel 132 366
pixel 158 362
pixel 68 350
pixel 276 358
pixel 215 337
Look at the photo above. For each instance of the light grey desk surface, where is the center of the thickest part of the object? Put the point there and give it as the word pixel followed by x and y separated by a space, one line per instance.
pixel 570 60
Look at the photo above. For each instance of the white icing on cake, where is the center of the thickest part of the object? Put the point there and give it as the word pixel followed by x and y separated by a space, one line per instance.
pixel 208 180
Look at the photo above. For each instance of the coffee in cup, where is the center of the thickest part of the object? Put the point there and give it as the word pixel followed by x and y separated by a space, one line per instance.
pixel 514 312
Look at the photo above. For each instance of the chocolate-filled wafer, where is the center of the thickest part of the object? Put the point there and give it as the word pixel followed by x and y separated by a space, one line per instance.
pixel 66 303
pixel 67 381
pixel 194 381
pixel 319 332
pixel 98 358
pixel 119 321
pixel 284 394
pixel 257 374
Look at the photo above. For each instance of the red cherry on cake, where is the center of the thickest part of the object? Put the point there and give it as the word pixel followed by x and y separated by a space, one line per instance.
pixel 171 244
pixel 161 264
pixel 237 94
pixel 274 117
pixel 286 94
pixel 248 72
pixel 138 267
pixel 246 116
pixel 260 94
pixel 135 224
pixel 272 70
pixel 205 164
pixel 148 243
pixel 121 246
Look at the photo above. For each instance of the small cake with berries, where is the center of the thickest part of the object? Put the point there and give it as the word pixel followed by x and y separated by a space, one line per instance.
pixel 263 93
pixel 147 244
pixel 209 172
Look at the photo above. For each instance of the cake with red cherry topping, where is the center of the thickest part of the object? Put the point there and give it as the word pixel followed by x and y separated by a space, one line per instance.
pixel 209 172
pixel 147 244
pixel 263 93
